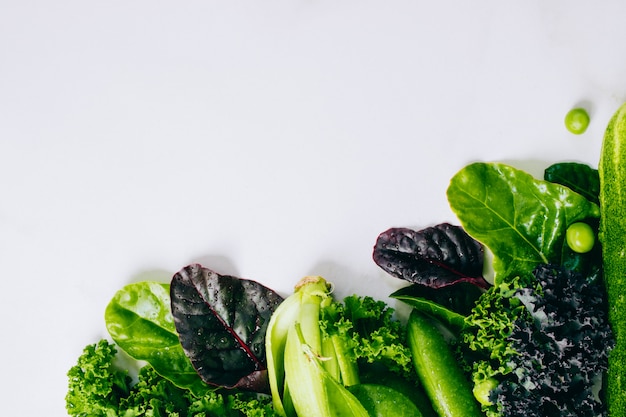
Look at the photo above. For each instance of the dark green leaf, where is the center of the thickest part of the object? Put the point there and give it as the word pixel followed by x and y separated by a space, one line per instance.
pixel 581 178
pixel 449 304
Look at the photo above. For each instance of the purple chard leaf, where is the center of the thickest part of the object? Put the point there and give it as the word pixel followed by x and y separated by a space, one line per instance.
pixel 221 322
pixel 436 256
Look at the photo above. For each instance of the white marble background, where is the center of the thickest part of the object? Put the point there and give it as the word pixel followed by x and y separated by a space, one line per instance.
pixel 266 139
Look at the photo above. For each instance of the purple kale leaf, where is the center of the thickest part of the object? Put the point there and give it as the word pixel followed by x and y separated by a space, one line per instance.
pixel 436 256
pixel 562 350
pixel 221 322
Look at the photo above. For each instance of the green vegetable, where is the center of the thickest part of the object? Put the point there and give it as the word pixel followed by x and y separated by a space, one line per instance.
pixel 483 390
pixel 580 178
pixel 612 169
pixel 275 340
pixel 438 369
pixel 306 387
pixel 449 304
pixel 139 320
pixel 382 401
pixel 97 388
pixel 580 237
pixel 577 120
pixel 318 347
pixel 363 331
pixel 538 349
pixel 522 220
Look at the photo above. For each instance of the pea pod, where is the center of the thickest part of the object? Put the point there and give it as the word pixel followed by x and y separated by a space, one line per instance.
pixel 438 370
pixel 383 401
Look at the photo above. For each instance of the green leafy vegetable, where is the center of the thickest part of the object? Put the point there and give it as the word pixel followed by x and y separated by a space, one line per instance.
pixel 580 178
pixel 522 220
pixel 97 388
pixel 301 382
pixel 538 349
pixel 318 347
pixel 450 304
pixel 364 331
pixel 436 256
pixel 221 323
pixel 139 320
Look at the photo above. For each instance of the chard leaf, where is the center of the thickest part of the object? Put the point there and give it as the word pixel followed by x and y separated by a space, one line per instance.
pixel 522 220
pixel 581 178
pixel 140 322
pixel 435 256
pixel 221 322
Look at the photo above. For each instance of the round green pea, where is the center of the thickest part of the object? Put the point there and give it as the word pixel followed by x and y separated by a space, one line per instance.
pixel 580 237
pixel 577 120
pixel 483 389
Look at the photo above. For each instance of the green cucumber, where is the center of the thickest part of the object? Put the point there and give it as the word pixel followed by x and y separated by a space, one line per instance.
pixel 438 370
pixel 612 171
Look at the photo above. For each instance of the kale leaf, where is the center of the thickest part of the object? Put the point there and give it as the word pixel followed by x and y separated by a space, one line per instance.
pixel 365 332
pixel 543 345
pixel 98 388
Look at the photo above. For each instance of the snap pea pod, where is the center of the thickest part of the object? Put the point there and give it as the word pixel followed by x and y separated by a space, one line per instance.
pixel 438 370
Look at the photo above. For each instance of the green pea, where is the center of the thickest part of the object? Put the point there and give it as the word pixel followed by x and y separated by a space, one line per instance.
pixel 577 120
pixel 580 237
pixel 483 389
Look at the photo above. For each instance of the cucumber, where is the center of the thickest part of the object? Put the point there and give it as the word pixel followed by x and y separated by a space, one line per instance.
pixel 612 171
pixel 438 370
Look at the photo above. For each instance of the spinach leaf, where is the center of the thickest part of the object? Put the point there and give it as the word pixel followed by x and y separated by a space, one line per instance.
pixel 139 320
pixel 522 220
pixel 581 178
pixel 221 322
pixel 450 304
pixel 435 256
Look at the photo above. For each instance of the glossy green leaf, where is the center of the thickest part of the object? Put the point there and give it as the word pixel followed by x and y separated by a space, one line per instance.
pixel 450 304
pixel 522 220
pixel 140 322
pixel 581 178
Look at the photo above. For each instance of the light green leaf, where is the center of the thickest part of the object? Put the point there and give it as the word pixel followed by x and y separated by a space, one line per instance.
pixel 140 322
pixel 522 220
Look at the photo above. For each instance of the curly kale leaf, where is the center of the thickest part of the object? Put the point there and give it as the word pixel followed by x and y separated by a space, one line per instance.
pixel 488 328
pixel 365 332
pixel 97 388
pixel 563 351
pixel 550 351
